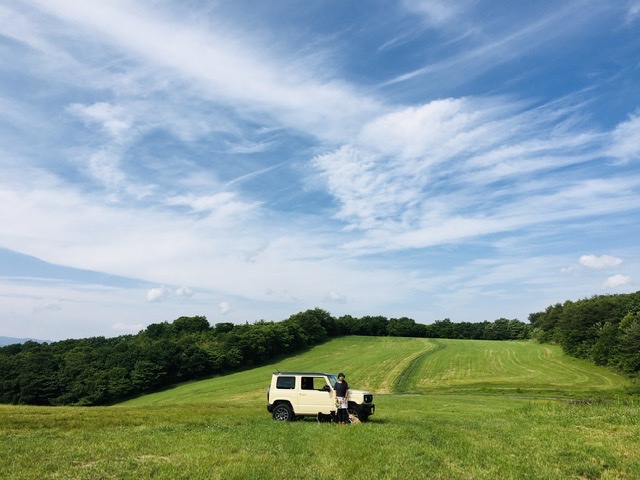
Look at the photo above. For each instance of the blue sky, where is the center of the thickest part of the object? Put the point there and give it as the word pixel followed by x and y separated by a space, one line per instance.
pixel 249 160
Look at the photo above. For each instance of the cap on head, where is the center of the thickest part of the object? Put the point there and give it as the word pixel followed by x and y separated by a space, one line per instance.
pixel 341 375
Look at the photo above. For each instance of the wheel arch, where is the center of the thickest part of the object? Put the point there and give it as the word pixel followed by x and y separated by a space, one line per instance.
pixel 287 404
pixel 355 408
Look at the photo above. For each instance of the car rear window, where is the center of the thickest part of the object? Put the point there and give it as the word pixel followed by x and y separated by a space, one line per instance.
pixel 287 383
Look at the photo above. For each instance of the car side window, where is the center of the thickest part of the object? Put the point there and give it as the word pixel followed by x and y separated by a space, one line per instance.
pixel 319 383
pixel 286 383
pixel 312 383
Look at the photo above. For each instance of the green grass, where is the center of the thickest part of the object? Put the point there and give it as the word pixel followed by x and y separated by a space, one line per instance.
pixel 387 365
pixel 508 367
pixel 446 412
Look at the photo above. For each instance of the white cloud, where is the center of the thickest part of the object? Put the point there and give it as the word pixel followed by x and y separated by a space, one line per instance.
pixel 335 297
pixel 597 263
pixel 158 294
pixel 184 292
pixel 625 143
pixel 388 181
pixel 569 269
pixel 112 118
pixel 433 132
pixel 258 83
pixel 104 167
pixel 162 293
pixel 633 12
pixel 224 307
pixel 184 122
pixel 489 45
pixel 248 147
pixel 223 204
pixel 435 12
pixel 617 281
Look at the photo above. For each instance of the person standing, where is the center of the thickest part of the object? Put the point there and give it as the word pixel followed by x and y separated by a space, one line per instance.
pixel 341 392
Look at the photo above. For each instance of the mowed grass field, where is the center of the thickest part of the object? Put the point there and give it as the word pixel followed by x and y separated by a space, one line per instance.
pixel 445 409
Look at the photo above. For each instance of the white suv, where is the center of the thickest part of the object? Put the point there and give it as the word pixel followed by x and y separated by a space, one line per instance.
pixel 307 394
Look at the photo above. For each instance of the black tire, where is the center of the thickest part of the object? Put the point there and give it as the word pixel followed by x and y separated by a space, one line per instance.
pixel 283 413
pixel 354 410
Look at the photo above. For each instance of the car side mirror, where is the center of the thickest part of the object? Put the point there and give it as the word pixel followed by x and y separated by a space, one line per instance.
pixel 326 388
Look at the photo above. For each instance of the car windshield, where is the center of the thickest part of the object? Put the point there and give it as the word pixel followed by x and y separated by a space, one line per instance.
pixel 332 380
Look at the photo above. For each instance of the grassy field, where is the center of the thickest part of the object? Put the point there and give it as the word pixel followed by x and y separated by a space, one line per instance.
pixel 446 409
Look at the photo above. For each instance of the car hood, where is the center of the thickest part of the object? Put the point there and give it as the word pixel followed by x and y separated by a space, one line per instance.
pixel 359 392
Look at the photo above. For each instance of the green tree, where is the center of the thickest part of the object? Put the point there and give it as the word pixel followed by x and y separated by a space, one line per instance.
pixel 37 375
pixel 606 346
pixel 628 358
pixel 545 323
pixel 223 327
pixel 373 326
pixel 311 325
pixel 401 327
pixel 146 375
pixel 442 329
pixel 197 324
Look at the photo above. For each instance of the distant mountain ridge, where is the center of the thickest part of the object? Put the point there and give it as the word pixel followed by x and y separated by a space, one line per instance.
pixel 4 341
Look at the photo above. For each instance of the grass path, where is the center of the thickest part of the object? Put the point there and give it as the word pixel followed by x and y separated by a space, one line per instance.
pixel 404 380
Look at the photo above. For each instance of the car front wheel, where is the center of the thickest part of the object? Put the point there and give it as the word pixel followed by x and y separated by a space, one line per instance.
pixel 355 411
pixel 283 412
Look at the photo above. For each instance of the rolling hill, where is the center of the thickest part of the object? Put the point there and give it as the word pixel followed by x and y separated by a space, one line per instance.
pixel 392 365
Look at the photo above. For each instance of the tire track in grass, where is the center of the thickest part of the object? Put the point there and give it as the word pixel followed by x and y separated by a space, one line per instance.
pixel 402 382
pixel 578 371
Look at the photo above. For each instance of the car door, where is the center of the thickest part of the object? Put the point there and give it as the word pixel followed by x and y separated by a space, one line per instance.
pixel 315 395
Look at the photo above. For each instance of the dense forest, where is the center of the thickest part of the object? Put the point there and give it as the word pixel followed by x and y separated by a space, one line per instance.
pixel 103 371
pixel 604 329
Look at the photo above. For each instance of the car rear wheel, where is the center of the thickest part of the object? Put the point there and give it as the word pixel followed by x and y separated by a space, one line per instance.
pixel 283 412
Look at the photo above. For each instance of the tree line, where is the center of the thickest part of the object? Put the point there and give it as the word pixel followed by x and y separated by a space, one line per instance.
pixel 604 329
pixel 103 371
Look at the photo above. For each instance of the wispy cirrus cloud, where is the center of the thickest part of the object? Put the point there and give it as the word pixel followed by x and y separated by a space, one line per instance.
pixel 436 12
pixel 492 43
pixel 112 118
pixel 180 146
pixel 633 12
pixel 389 182
pixel 255 81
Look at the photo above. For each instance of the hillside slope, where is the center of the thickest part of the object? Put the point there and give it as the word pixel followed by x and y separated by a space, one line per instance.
pixel 392 365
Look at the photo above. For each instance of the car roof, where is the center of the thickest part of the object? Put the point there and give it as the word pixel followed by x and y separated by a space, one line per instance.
pixel 303 373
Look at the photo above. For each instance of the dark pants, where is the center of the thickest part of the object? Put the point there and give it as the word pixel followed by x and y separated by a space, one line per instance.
pixel 343 415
